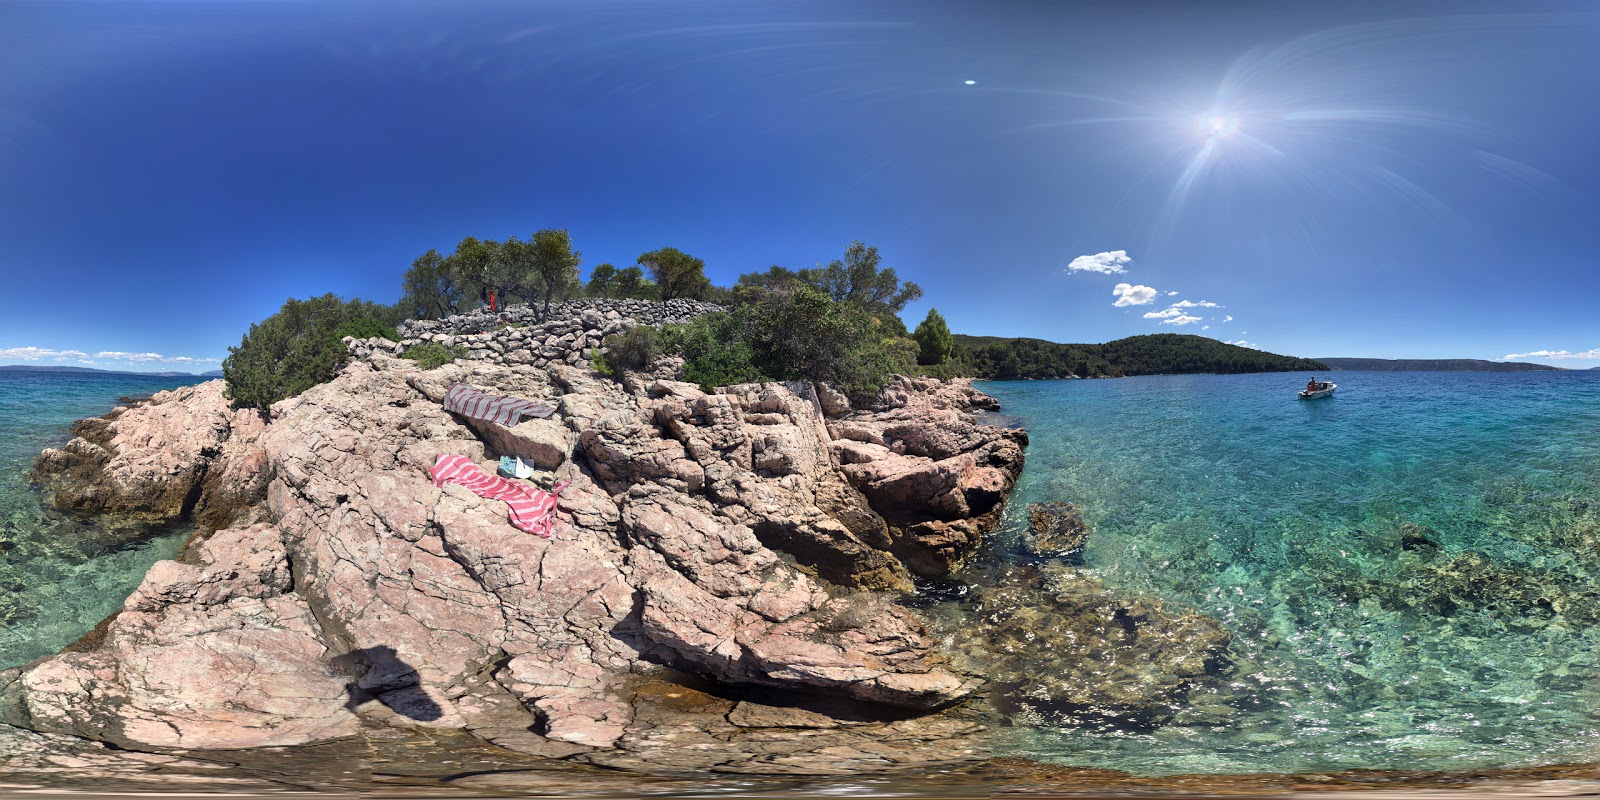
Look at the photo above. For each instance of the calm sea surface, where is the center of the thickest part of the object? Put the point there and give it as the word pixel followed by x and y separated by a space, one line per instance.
pixel 1282 518
pixel 59 578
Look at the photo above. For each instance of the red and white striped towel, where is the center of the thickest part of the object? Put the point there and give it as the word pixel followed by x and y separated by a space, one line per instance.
pixel 470 401
pixel 532 509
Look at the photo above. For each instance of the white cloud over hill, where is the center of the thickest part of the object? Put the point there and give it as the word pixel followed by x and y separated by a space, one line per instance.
pixel 1132 295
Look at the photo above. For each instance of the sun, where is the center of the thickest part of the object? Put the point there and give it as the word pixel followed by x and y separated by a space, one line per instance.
pixel 1217 125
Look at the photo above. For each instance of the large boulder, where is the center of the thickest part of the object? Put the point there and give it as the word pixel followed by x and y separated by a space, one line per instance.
pixel 149 461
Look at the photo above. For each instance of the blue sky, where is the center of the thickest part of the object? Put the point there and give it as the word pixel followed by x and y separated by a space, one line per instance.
pixel 1386 179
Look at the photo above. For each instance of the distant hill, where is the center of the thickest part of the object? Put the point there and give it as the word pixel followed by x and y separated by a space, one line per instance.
pixel 31 368
pixel 1432 365
pixel 1152 354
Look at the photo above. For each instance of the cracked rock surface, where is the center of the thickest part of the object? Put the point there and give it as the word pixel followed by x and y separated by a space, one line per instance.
pixel 754 538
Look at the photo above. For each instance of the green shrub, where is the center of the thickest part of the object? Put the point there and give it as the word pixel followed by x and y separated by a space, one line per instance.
pixel 598 363
pixel 634 349
pixel 789 331
pixel 713 354
pixel 298 348
pixel 433 354
pixel 367 328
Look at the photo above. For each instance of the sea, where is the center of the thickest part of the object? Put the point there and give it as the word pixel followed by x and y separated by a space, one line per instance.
pixel 1283 518
pixel 1225 495
pixel 60 576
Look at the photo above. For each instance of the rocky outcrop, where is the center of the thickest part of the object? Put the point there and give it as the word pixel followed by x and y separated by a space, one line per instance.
pixel 216 653
pixel 938 478
pixel 152 462
pixel 735 536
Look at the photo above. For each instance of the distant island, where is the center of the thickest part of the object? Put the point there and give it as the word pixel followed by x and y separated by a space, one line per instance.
pixel 31 368
pixel 1432 365
pixel 1000 358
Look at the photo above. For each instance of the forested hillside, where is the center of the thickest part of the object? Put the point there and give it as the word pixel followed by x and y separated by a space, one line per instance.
pixel 999 358
pixel 1433 365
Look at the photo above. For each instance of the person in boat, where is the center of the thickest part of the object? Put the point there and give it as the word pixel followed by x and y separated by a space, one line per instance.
pixel 1312 385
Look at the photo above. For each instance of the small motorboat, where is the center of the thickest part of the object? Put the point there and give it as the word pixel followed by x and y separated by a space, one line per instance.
pixel 1322 390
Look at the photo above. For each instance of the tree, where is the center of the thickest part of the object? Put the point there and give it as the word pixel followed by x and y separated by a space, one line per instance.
pixel 676 273
pixel 298 348
pixel 858 280
pixel 602 281
pixel 775 277
pixel 488 266
pixel 553 266
pixel 631 285
pixel 431 288
pixel 934 339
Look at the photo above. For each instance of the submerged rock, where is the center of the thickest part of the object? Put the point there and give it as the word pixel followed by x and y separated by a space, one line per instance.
pixel 1059 640
pixel 1055 530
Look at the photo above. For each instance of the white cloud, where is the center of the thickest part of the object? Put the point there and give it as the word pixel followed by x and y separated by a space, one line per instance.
pixel 1181 319
pixel 1131 295
pixel 1586 355
pixel 36 353
pixel 1108 263
pixel 1243 343
pixel 1165 313
pixel 1228 318
pixel 1172 294
pixel 1193 304
pixel 118 355
pixel 1205 327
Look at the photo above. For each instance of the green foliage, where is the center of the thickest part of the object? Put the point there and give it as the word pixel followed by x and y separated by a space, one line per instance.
pixel 298 348
pixel 789 333
pixel 634 349
pixel 1152 354
pixel 858 280
pixel 366 328
pixel 933 339
pixel 434 354
pixel 631 285
pixel 676 273
pixel 541 270
pixel 598 362
pixel 551 267
pixel 602 281
pixel 431 289
pixel 714 355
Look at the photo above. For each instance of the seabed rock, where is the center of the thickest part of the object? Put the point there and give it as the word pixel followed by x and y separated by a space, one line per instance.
pixel 1056 530
pixel 1056 639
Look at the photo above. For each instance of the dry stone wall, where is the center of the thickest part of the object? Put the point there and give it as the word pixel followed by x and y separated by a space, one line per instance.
pixel 517 336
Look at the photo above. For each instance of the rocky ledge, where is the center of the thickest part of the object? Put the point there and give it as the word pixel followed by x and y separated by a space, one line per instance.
pixel 746 547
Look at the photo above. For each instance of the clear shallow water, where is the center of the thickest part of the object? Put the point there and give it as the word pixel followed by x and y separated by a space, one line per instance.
pixel 58 579
pixel 1281 519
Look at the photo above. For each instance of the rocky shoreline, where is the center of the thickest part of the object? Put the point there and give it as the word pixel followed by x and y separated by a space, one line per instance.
pixel 725 595
pixel 753 542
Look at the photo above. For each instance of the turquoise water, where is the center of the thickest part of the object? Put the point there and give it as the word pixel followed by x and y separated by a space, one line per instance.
pixel 1281 519
pixel 59 577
